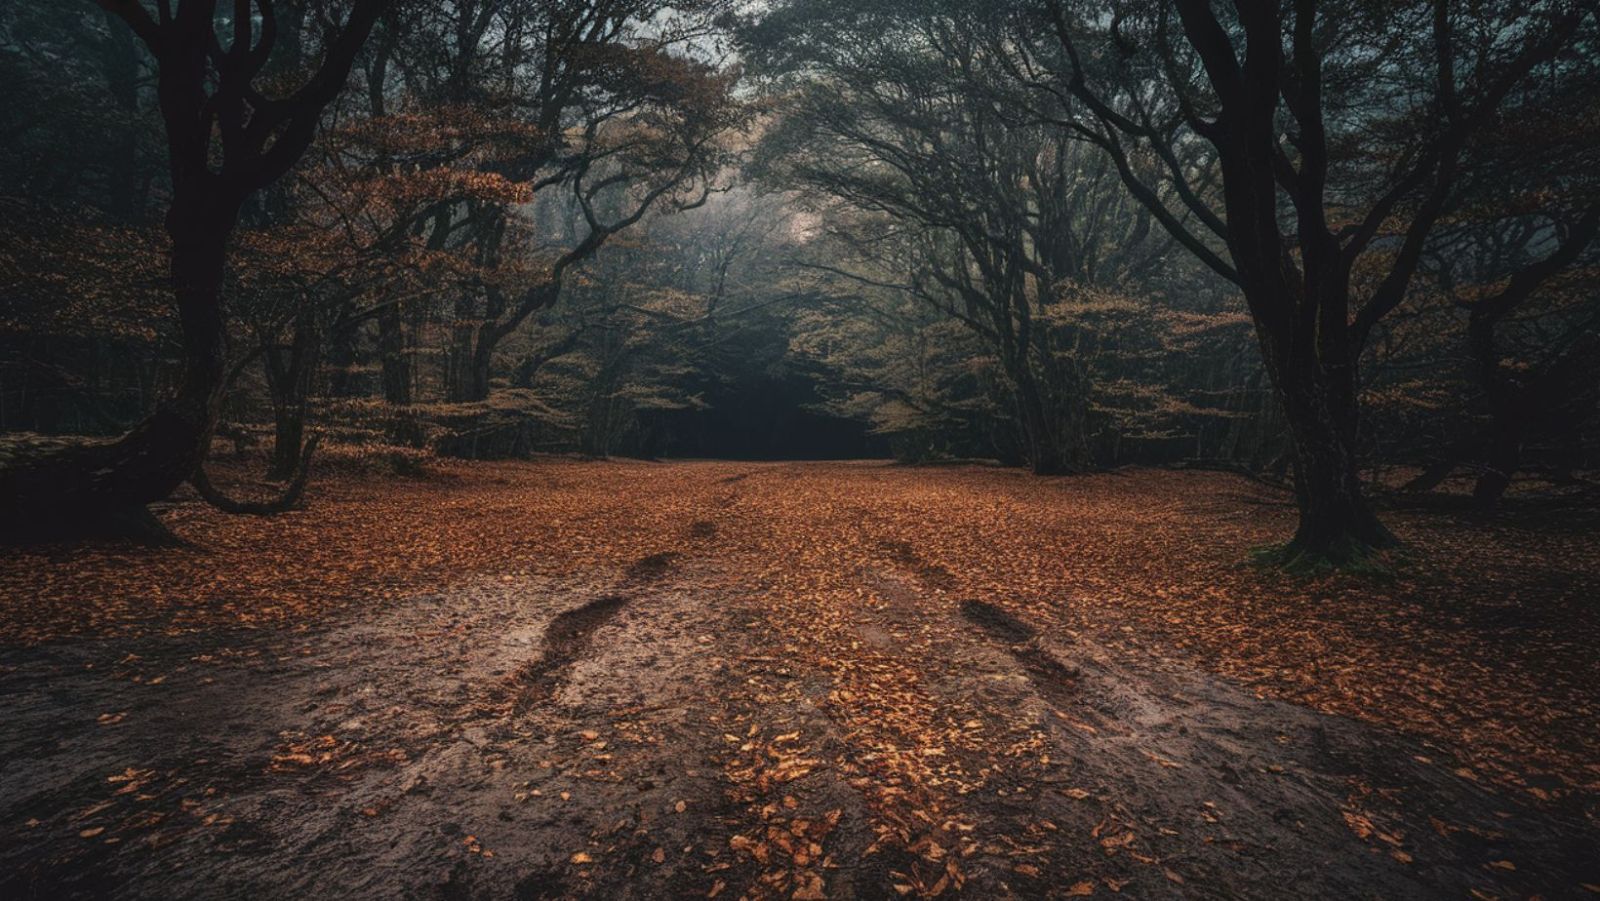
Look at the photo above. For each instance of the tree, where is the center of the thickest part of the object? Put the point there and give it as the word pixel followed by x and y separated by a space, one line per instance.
pixel 665 336
pixel 917 377
pixel 882 110
pixel 1516 257
pixel 1339 131
pixel 594 112
pixel 1556 378
pixel 225 141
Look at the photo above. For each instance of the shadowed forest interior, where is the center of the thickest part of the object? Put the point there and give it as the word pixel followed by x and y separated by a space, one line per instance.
pixel 799 448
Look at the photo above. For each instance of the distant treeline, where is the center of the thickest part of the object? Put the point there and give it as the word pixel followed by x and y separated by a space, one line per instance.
pixel 1312 241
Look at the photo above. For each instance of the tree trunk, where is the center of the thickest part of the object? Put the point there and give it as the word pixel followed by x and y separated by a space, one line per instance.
pixel 396 359
pixel 1337 524
pixel 1042 456
pixel 1040 439
pixel 478 370
pixel 288 434
pixel 342 352
pixel 470 362
pixel 1046 458
pixel 99 487
pixel 458 354
pixel 1509 428
pixel 291 384
pixel 79 488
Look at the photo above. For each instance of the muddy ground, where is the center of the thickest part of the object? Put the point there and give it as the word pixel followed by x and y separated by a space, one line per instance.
pixel 740 706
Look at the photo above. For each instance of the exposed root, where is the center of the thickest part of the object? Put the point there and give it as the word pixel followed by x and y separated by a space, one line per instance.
pixel 287 499
pixel 1347 555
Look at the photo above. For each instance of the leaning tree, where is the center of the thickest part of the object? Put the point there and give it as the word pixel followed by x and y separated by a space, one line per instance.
pixel 226 140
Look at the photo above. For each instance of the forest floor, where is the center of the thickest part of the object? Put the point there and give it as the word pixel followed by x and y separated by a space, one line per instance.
pixel 635 680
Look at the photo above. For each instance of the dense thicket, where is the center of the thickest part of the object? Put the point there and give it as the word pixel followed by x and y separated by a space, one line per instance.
pixel 1325 238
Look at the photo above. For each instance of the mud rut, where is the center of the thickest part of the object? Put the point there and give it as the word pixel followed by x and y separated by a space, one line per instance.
pixel 650 733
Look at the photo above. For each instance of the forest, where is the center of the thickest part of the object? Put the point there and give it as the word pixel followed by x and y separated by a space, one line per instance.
pixel 800 449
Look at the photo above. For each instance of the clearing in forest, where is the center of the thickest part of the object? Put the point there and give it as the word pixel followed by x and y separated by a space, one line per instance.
pixel 633 680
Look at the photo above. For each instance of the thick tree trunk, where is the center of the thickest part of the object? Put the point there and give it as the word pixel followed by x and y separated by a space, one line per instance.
pixel 1046 463
pixel 1043 458
pixel 1046 441
pixel 91 488
pixel 1337 525
pixel 207 105
pixel 288 434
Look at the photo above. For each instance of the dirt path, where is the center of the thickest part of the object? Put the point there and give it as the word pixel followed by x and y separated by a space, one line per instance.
pixel 773 698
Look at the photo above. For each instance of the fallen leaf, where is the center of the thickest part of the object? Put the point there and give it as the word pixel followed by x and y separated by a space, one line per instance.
pixel 811 889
